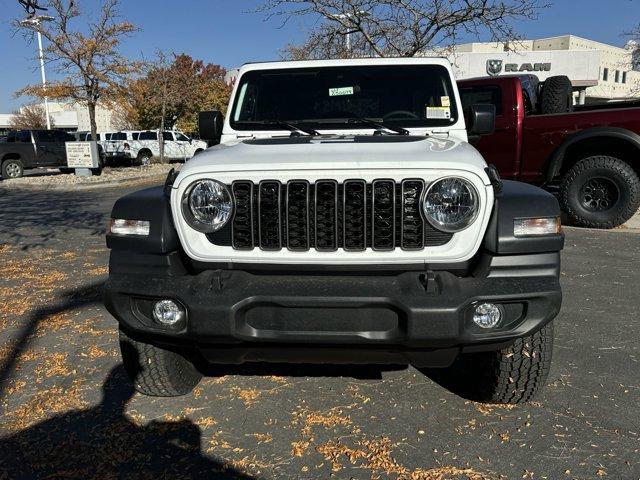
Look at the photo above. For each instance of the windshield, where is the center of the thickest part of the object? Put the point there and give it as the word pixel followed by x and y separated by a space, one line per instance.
pixel 327 97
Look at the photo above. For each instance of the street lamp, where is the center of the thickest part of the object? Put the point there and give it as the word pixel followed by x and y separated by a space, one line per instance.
pixel 33 22
pixel 342 16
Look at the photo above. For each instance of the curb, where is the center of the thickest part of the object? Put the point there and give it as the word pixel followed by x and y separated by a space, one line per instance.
pixel 87 185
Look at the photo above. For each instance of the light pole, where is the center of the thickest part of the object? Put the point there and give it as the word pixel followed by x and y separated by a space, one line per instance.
pixel 33 22
pixel 342 16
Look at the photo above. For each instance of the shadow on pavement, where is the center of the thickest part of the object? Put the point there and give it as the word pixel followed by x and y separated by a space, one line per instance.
pixel 71 299
pixel 101 442
pixel 358 372
pixel 31 219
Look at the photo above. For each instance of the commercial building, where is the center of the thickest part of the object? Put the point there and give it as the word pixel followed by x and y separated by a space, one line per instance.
pixel 599 72
pixel 70 117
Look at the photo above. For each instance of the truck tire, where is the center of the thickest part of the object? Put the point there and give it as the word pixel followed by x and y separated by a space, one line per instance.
pixel 600 192
pixel 557 95
pixel 156 371
pixel 509 376
pixel 144 157
pixel 12 168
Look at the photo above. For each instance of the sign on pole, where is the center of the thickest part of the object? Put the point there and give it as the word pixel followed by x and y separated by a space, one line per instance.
pixel 82 154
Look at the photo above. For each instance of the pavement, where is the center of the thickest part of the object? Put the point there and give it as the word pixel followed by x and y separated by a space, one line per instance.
pixel 68 411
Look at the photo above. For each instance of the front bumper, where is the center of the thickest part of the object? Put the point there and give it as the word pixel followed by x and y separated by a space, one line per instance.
pixel 421 318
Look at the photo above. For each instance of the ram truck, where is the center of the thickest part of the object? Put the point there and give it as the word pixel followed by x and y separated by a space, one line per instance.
pixel 588 154
pixel 343 218
pixel 29 149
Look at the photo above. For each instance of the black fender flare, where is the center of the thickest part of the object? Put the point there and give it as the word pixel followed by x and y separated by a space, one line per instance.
pixel 557 159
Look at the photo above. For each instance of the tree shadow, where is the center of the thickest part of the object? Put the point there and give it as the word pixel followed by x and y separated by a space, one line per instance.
pixel 33 218
pixel 101 442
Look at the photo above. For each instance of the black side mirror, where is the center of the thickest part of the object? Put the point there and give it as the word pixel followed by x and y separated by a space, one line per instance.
pixel 210 126
pixel 482 119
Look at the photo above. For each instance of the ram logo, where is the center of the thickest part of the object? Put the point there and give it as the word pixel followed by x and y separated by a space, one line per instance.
pixel 494 67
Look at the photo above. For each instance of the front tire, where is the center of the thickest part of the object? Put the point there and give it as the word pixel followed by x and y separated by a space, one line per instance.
pixel 513 375
pixel 600 192
pixel 144 158
pixel 12 168
pixel 156 371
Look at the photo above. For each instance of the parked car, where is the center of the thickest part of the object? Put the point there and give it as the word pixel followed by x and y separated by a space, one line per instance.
pixel 590 153
pixel 177 145
pixel 26 149
pixel 344 219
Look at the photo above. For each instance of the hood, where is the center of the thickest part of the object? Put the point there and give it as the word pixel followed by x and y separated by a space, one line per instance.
pixel 383 152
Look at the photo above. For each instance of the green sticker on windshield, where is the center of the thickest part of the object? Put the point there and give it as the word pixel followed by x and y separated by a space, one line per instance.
pixel 337 92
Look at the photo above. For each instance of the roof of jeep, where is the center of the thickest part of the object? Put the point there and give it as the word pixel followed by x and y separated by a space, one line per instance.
pixel 346 62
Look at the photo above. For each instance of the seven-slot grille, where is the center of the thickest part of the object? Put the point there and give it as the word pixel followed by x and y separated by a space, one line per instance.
pixel 327 216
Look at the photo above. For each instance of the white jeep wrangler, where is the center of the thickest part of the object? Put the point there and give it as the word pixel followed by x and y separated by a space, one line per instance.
pixel 343 218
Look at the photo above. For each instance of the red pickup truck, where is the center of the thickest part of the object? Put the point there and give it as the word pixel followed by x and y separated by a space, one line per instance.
pixel 590 153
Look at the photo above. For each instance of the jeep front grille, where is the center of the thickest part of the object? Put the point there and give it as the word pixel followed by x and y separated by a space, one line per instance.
pixel 327 216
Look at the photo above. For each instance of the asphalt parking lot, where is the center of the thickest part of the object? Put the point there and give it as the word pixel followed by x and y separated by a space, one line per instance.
pixel 67 410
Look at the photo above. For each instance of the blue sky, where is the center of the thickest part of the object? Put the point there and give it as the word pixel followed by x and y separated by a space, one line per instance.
pixel 221 31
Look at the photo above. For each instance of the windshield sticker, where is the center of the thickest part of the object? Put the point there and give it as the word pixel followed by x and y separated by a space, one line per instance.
pixel 438 113
pixel 338 92
pixel 445 102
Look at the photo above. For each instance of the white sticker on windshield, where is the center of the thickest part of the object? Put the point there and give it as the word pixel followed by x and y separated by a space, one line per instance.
pixel 438 113
pixel 445 101
pixel 337 92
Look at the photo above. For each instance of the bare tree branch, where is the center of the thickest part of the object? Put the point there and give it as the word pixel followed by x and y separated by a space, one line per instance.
pixel 398 27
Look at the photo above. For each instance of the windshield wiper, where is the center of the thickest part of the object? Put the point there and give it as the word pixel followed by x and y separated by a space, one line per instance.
pixel 293 127
pixel 379 125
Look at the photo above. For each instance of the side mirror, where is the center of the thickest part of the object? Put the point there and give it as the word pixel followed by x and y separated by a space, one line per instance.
pixel 210 126
pixel 482 120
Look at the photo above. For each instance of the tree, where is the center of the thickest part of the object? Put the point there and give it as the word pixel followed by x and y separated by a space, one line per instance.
pixel 172 92
pixel 84 49
pixel 400 28
pixel 30 117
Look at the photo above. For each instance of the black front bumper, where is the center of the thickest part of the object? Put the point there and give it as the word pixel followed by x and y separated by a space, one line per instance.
pixel 420 318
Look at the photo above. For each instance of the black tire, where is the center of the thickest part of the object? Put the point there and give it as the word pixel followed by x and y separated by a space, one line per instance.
pixel 509 376
pixel 600 192
pixel 156 371
pixel 144 157
pixel 556 95
pixel 12 168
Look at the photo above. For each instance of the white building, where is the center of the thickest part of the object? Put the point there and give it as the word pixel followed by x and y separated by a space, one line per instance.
pixel 598 71
pixel 70 117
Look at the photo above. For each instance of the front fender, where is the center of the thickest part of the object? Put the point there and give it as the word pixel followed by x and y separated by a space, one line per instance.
pixel 521 200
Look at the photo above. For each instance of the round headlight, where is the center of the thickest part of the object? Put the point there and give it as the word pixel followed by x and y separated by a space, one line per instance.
pixel 451 204
pixel 207 205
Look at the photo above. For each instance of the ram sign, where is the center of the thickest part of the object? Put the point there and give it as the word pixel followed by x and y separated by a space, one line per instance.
pixel 581 66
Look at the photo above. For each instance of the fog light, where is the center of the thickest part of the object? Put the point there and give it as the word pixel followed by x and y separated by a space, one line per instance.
pixel 168 313
pixel 487 315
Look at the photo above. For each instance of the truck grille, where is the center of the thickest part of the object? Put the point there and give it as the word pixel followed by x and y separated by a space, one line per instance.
pixel 327 216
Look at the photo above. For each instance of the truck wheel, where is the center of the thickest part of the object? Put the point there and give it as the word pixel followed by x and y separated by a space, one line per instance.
pixel 557 95
pixel 600 192
pixel 156 371
pixel 509 376
pixel 144 158
pixel 12 168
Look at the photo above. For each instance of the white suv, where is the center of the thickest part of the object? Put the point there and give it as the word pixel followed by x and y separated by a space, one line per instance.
pixel 141 145
pixel 345 218
pixel 177 145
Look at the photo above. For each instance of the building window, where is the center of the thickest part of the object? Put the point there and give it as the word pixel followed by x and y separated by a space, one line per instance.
pixel 605 74
pixel 624 77
pixel 617 76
